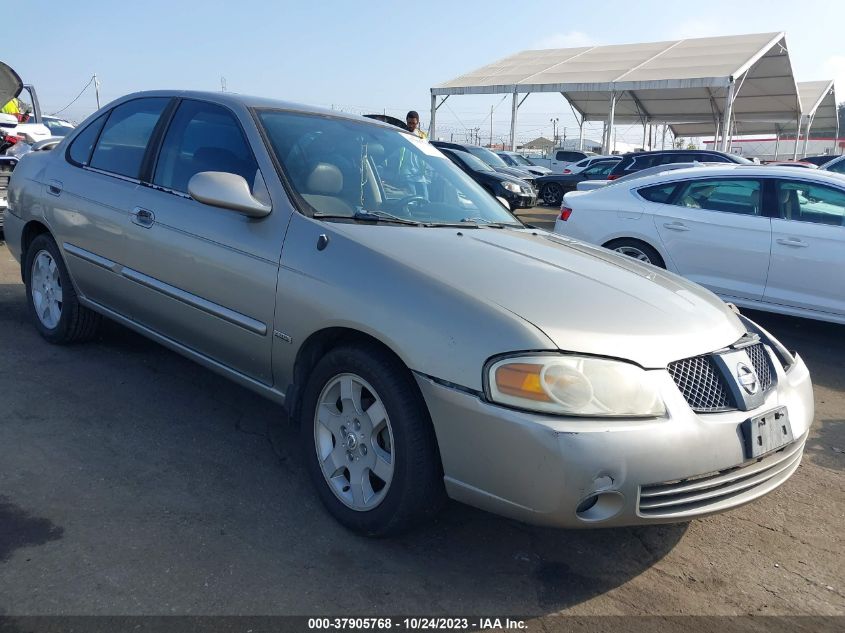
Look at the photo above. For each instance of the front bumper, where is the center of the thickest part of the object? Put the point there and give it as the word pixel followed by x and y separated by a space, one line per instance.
pixel 520 200
pixel 538 468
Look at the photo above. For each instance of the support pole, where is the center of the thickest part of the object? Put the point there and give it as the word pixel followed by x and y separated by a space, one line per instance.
pixel 797 137
pixel 807 133
pixel 514 107
pixel 607 149
pixel 645 133
pixel 663 140
pixel 581 135
pixel 726 116
pixel 431 127
pixel 777 141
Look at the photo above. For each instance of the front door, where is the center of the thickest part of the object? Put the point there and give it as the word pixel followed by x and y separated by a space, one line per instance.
pixel 715 234
pixel 808 247
pixel 206 276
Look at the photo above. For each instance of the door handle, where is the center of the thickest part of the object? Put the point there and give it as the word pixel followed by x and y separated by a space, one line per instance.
pixel 143 217
pixel 793 241
pixel 676 226
pixel 54 187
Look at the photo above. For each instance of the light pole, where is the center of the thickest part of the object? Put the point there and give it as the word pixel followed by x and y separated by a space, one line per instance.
pixel 554 130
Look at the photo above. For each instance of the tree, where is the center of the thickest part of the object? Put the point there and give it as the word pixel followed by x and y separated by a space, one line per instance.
pixel 679 143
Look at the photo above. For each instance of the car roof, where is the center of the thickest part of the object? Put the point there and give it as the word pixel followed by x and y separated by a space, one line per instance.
pixel 232 99
pixel 735 170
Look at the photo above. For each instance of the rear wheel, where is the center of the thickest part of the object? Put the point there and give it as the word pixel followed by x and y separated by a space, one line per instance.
pixel 52 300
pixel 368 442
pixel 638 250
pixel 552 194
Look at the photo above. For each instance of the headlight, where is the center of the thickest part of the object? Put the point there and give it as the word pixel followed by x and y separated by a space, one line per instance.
pixel 574 385
pixel 511 186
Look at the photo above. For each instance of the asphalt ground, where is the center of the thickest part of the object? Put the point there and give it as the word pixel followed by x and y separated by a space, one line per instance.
pixel 133 481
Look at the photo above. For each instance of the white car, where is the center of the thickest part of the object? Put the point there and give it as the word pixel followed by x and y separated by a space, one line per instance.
pixel 770 238
pixel 581 165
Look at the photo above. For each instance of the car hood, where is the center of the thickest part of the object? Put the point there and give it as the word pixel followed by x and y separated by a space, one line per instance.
pixel 515 172
pixel 10 84
pixel 584 298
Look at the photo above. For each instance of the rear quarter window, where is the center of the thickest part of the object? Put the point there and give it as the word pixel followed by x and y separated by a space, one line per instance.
pixel 658 193
pixel 80 149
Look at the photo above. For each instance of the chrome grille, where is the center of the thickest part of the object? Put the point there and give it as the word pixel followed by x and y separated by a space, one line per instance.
pixel 717 491
pixel 702 384
pixel 762 365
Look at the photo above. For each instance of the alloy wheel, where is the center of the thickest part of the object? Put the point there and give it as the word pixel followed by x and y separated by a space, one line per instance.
pixel 354 442
pixel 46 288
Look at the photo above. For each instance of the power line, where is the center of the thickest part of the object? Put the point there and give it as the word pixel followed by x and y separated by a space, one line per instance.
pixel 90 81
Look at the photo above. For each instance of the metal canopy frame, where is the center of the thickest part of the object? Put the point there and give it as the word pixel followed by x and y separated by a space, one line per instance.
pixel 680 81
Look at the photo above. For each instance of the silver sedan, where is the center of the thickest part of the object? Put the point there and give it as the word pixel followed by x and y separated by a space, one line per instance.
pixel 422 339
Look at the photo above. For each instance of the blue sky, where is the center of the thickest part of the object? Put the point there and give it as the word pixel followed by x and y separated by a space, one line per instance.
pixel 376 56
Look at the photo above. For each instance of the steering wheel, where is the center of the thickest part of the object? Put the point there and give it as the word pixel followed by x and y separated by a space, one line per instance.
pixel 408 203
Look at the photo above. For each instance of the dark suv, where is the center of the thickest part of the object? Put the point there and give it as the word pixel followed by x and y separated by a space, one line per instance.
pixel 636 161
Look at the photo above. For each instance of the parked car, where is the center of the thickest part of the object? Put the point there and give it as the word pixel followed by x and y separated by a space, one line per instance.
pixel 57 126
pixel 424 341
pixel 512 159
pixel 769 238
pixel 641 160
pixel 582 164
pixel 553 187
pixel 589 185
pixel 491 158
pixel 791 163
pixel 560 158
pixel 519 194
pixel 836 165
pixel 819 160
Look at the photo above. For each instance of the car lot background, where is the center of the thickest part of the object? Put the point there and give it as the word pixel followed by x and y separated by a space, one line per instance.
pixel 133 481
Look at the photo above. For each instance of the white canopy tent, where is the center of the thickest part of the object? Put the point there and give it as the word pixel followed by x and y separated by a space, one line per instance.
pixel 702 80
pixel 818 100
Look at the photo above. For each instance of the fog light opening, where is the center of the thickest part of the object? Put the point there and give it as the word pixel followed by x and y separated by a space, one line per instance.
pixel 600 507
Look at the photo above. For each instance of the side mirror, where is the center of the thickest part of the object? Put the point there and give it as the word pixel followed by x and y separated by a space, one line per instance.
pixel 503 202
pixel 227 191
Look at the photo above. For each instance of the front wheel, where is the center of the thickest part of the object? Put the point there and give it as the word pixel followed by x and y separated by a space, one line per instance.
pixel 52 300
pixel 369 443
pixel 552 194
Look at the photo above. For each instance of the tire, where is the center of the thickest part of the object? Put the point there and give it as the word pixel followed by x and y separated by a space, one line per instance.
pixel 637 250
pixel 384 505
pixel 552 194
pixel 51 298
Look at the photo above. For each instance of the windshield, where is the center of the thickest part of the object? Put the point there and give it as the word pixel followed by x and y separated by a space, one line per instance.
pixel 486 155
pixel 521 160
pixel 474 163
pixel 509 160
pixel 346 168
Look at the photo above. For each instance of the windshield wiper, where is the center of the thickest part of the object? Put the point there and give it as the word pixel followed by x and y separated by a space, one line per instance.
pixel 489 223
pixel 367 216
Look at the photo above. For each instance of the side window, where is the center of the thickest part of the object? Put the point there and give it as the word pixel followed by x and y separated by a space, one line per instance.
pixel 203 137
pixel 80 150
pixel 123 142
pixel 644 162
pixel 568 156
pixel 839 167
pixel 809 202
pixel 600 169
pixel 737 195
pixel 658 193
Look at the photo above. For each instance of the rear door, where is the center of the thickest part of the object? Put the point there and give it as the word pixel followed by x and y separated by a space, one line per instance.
pixel 716 234
pixel 206 276
pixel 90 196
pixel 808 247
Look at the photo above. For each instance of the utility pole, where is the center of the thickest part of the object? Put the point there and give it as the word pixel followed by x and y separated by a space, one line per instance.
pixel 222 83
pixel 97 90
